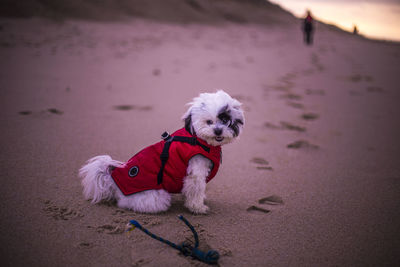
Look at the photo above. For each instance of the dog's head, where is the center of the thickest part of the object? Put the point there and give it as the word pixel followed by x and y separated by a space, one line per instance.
pixel 216 118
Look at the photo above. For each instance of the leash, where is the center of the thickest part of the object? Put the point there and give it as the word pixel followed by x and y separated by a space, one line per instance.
pixel 211 257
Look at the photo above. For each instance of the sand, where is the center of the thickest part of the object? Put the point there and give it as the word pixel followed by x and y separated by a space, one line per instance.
pixel 313 181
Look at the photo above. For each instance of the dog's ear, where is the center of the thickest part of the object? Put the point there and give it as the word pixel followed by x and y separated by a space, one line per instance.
pixel 188 123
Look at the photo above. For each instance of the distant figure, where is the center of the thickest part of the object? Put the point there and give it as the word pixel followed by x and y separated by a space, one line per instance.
pixel 355 30
pixel 308 28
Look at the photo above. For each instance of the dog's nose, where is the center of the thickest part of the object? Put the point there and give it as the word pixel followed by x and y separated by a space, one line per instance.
pixel 218 131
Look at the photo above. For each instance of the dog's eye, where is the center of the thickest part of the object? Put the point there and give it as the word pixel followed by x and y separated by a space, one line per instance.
pixel 225 120
pixel 209 122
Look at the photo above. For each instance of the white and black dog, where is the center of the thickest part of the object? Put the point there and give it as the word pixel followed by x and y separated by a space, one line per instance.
pixel 181 163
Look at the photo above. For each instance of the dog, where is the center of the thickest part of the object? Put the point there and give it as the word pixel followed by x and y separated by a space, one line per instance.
pixel 180 163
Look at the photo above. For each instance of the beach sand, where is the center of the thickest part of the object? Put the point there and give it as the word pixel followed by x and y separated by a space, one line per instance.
pixel 314 179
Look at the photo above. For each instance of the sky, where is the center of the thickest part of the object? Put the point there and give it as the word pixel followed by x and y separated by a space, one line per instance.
pixel 379 19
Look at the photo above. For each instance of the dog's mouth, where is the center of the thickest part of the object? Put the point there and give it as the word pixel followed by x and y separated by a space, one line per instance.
pixel 219 138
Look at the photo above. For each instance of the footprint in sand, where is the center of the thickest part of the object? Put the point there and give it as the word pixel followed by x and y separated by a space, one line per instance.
pixel 119 225
pixel 85 245
pixel 302 144
pixel 272 126
pixel 291 96
pixel 261 163
pixel 51 110
pixel 255 208
pixel 284 88
pixel 315 92
pixel 354 78
pixel 273 200
pixel 133 107
pixel 295 105
pixel 285 126
pixel 121 217
pixel 309 116
pixel 119 212
pixel 60 212
pixel 141 262
pixel 288 77
pixel 292 127
pixel 224 251
pixel 110 229
pixel 124 107
pixel 285 83
pixel 55 111
pixel 25 112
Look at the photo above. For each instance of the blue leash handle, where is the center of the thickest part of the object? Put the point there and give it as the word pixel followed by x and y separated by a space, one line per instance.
pixel 211 257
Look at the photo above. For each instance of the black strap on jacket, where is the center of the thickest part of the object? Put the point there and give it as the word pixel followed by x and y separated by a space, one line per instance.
pixel 165 152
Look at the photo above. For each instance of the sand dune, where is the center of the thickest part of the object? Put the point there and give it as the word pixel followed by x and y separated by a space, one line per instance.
pixel 174 11
pixel 313 180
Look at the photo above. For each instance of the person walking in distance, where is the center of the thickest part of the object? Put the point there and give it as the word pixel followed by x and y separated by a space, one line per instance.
pixel 308 28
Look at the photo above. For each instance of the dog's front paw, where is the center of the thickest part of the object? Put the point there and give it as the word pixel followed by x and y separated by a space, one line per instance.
pixel 198 209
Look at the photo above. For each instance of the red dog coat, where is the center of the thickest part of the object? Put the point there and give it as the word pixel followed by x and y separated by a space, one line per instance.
pixel 163 165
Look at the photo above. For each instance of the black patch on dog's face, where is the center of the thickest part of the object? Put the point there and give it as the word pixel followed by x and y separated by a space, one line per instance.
pixel 188 124
pixel 224 115
pixel 235 127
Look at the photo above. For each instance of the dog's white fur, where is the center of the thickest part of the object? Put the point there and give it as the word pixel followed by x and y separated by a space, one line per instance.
pixel 216 118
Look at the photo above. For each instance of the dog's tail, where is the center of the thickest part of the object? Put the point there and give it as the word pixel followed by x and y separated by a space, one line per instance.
pixel 96 178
